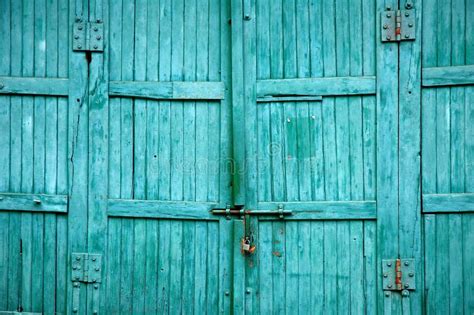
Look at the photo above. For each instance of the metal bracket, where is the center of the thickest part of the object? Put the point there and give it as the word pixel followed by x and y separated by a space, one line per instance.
pixel 88 36
pixel 398 274
pixel 86 267
pixel 398 25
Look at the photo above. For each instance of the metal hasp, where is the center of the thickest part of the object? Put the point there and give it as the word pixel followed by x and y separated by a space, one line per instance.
pixel 398 275
pixel 398 25
pixel 88 36
pixel 86 267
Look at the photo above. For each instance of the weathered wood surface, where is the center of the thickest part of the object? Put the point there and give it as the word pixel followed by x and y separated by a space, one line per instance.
pixel 33 202
pixel 168 90
pixel 443 76
pixel 34 86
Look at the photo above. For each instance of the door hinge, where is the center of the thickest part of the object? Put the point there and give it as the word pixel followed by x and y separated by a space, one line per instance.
pixel 88 36
pixel 86 267
pixel 398 25
pixel 398 275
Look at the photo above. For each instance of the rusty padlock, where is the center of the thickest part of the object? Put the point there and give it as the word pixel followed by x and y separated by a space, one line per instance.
pixel 246 244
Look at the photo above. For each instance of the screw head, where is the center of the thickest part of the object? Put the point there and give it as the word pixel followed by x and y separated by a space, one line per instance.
pixel 95 29
pixel 407 263
pixel 411 274
pixel 95 46
pixel 385 275
pixel 407 36
pixel 1 86
pixel 247 17
pixel 388 8
pixel 389 15
pixel 98 37
pixel 387 294
pixel 389 264
pixel 74 310
pixel 99 21
pixel 76 37
pixel 389 38
pixel 407 14
pixel 97 268
pixel 407 285
pixel 389 286
pixel 79 46
pixel 288 120
pixel 227 293
pixel 94 259
pixel 248 291
pixel 385 26
pixel 313 117
pixel 410 24
pixel 80 27
pixel 96 286
pixel 405 293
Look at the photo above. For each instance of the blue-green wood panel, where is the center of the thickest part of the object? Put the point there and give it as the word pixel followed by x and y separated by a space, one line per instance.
pixel 34 156
pixel 447 156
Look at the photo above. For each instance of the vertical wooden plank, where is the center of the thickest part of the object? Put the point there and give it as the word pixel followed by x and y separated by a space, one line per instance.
pixel 98 152
pixel 51 158
pixel 15 158
pixel 202 114
pixel 112 260
pixel 370 267
pixel 63 162
pixel 212 267
pixel 356 257
pixel 214 29
pixel 200 267
pixel 387 156
pixel 442 269
pixel 304 268
pixel 164 267
pixel 164 163
pixel 317 265
pixel 27 162
pixel 238 121
pixel 176 265
pixel 343 274
pixel 77 154
pixel 126 266
pixel 279 266
pixel 238 285
pixel 188 278
pixel 265 268
pixel 430 263
pixel 226 246
pixel 189 111
pixel 139 155
pixel 263 110
pixel 5 110
pixel 330 267
pixel 410 221
pixel 176 115
pixel 39 156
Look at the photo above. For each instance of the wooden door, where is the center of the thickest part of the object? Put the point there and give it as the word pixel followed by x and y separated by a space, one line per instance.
pixel 36 128
pixel 332 134
pixel 448 155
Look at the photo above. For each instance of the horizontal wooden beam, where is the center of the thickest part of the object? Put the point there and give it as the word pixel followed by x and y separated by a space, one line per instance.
pixel 168 90
pixel 325 210
pixel 33 202
pixel 34 86
pixel 442 76
pixel 317 86
pixel 272 99
pixel 161 209
pixel 446 203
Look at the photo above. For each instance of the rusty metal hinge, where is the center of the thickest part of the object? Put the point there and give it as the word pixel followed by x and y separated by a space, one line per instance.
pixel 398 275
pixel 398 25
pixel 88 36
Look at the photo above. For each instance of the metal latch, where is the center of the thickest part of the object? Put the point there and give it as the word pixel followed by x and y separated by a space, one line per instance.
pixel 241 211
pixel 398 275
pixel 88 36
pixel 398 25
pixel 86 267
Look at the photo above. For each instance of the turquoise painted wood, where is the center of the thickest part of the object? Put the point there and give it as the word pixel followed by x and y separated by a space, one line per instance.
pixel 273 105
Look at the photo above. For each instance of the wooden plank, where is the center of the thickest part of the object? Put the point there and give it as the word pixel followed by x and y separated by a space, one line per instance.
pixel 443 76
pixel 34 86
pixel 440 203
pixel 168 90
pixel 161 209
pixel 33 202
pixel 357 85
pixel 289 99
